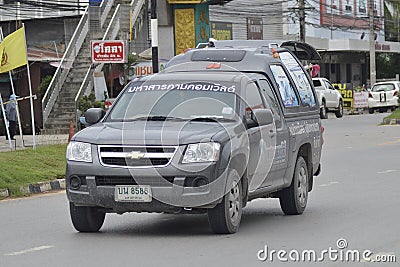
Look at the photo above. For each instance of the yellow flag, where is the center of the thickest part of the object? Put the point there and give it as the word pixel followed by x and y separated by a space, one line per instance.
pixel 13 51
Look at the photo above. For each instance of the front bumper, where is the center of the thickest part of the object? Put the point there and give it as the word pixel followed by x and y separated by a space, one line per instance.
pixel 170 186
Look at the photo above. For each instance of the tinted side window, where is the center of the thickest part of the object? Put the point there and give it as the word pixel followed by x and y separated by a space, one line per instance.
pixel 299 77
pixel 272 102
pixel 317 83
pixel 253 99
pixel 287 93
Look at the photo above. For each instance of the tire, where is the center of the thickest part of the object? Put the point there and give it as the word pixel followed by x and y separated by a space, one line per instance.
pixel 393 109
pixel 323 113
pixel 86 219
pixel 226 216
pixel 293 200
pixel 371 111
pixel 339 111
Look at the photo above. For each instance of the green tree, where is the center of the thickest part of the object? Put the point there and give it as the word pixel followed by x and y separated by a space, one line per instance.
pixel 392 20
pixel 44 84
pixel 386 65
pixel 86 102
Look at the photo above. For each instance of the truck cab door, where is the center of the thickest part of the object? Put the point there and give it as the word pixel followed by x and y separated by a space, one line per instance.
pixel 279 163
pixel 260 140
pixel 331 95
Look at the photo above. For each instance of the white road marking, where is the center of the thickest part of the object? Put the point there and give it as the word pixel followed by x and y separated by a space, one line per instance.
pixel 331 183
pixel 387 171
pixel 28 250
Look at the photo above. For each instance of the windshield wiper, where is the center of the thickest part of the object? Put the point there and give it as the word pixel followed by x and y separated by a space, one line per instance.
pixel 212 119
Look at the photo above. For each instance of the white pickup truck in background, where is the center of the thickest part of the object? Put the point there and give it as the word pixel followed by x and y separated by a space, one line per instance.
pixel 330 99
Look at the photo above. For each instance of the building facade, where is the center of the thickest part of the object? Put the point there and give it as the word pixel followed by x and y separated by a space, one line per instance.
pixel 49 25
pixel 339 29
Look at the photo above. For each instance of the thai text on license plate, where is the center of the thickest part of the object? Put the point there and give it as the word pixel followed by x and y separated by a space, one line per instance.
pixel 133 193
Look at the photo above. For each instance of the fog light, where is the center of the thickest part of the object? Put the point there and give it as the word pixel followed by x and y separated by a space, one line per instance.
pixel 75 182
pixel 200 182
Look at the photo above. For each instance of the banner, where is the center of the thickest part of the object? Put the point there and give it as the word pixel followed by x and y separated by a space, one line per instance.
pixel 360 100
pixel 221 30
pixel 13 51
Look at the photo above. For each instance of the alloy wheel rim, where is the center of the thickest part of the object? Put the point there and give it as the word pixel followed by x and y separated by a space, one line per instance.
pixel 234 203
pixel 302 187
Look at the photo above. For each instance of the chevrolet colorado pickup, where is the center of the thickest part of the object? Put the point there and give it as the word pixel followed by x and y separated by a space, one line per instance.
pixel 216 129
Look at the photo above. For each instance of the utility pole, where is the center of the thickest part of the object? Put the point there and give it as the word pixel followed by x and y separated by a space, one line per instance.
pixel 302 14
pixel 372 63
pixel 154 36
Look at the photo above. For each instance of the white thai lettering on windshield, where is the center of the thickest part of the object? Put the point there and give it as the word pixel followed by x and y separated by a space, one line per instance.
pixel 184 86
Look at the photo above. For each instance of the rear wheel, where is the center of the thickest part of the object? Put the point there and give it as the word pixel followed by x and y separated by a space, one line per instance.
pixel 323 110
pixel 293 199
pixel 226 216
pixel 339 111
pixel 86 219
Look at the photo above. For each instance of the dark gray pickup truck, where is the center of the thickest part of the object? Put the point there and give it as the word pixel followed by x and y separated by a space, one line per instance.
pixel 216 129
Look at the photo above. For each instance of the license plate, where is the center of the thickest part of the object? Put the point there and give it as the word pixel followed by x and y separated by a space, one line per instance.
pixel 133 193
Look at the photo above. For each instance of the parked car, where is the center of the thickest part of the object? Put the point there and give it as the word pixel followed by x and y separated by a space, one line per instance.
pixel 213 131
pixel 383 96
pixel 330 99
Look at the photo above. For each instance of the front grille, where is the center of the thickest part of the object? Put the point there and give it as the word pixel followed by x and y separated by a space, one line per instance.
pixel 129 180
pixel 135 156
pixel 135 163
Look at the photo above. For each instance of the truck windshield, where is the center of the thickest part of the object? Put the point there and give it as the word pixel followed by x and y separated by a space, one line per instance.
pixel 177 100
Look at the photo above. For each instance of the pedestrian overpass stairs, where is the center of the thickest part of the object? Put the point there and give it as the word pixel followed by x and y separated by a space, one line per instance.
pixel 73 77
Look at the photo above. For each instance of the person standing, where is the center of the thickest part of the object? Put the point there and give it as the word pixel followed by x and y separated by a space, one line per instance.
pixel 11 114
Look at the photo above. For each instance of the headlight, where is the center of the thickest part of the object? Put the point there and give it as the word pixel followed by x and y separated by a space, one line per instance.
pixel 78 151
pixel 202 152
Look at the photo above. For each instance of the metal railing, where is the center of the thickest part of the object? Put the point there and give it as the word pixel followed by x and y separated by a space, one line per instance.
pixel 112 30
pixel 110 34
pixel 66 63
pixel 68 59
pixel 105 8
pixel 87 83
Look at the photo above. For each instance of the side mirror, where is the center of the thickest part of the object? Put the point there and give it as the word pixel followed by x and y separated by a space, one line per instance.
pixel 94 115
pixel 335 86
pixel 263 116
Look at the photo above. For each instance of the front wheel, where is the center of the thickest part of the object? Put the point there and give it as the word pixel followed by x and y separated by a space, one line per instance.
pixel 86 219
pixel 339 111
pixel 371 111
pixel 293 199
pixel 226 216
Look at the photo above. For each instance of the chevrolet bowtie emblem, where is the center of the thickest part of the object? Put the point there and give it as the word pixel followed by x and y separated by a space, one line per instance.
pixel 135 155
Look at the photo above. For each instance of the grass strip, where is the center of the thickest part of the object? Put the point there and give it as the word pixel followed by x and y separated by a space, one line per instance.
pixel 23 167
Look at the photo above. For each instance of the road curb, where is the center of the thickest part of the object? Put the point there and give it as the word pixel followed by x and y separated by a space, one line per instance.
pixel 388 121
pixel 37 188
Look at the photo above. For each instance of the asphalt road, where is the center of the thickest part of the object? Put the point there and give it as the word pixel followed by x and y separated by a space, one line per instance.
pixel 356 198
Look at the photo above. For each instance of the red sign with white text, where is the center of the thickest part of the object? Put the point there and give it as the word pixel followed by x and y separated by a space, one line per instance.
pixel 108 51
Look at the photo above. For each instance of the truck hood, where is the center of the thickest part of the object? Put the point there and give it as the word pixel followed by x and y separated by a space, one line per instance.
pixel 151 132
